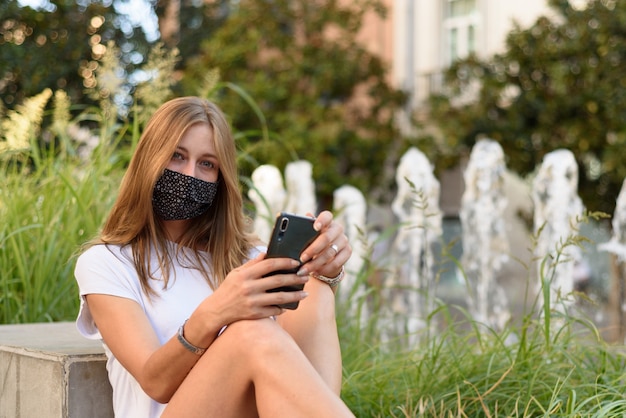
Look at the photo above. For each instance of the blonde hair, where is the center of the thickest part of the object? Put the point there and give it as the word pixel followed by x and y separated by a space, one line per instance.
pixel 221 231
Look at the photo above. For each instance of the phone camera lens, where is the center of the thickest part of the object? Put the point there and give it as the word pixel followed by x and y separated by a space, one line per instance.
pixel 283 224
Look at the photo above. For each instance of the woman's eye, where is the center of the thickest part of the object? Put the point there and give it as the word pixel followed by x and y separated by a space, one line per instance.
pixel 207 164
pixel 177 156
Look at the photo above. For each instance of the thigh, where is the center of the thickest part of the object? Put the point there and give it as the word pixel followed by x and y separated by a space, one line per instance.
pixel 314 328
pixel 220 384
pixel 254 368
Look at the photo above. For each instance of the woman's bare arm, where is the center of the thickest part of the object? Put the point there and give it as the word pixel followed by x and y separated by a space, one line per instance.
pixel 160 369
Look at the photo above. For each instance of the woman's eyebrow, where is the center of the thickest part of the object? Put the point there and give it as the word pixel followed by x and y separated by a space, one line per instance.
pixel 204 155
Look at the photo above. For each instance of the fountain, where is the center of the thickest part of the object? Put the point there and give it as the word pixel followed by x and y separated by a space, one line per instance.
pixel 410 288
pixel 350 211
pixel 300 188
pixel 557 216
pixel 485 245
pixel 268 196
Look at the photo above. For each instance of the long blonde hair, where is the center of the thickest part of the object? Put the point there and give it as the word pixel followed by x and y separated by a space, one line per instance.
pixel 221 231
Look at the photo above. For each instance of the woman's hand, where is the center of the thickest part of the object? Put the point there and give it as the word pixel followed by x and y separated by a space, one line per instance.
pixel 243 294
pixel 329 252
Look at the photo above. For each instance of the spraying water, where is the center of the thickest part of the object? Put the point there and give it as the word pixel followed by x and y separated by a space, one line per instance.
pixel 485 245
pixel 410 287
pixel 558 210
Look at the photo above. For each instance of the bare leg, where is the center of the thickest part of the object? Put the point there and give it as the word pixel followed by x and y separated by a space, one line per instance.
pixel 314 328
pixel 254 367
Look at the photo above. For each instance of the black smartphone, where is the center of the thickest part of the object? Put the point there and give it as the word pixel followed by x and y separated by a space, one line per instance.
pixel 290 236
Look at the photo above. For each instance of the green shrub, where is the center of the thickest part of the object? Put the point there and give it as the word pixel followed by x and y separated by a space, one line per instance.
pixel 51 202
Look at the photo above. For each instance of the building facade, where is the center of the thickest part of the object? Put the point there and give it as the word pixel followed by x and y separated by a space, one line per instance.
pixel 419 39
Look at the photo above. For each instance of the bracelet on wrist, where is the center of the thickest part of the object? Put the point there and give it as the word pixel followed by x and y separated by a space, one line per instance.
pixel 331 281
pixel 181 338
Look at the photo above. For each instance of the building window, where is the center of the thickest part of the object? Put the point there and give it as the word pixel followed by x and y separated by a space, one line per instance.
pixel 461 24
pixel 460 7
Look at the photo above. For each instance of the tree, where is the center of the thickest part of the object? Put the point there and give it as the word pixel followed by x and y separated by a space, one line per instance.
pixel 322 93
pixel 559 84
pixel 325 98
pixel 199 20
pixel 56 47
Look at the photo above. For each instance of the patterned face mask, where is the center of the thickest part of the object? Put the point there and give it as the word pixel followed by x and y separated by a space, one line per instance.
pixel 177 196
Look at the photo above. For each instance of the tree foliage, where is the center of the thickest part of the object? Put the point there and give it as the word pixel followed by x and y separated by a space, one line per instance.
pixel 193 20
pixel 322 92
pixel 324 97
pixel 58 46
pixel 559 84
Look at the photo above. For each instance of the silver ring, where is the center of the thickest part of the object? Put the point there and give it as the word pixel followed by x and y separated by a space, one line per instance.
pixel 334 247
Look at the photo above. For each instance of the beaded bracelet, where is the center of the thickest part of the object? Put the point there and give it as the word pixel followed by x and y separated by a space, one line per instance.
pixel 196 350
pixel 331 281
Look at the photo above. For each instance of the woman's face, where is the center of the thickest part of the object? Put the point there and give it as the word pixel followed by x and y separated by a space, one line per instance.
pixel 195 154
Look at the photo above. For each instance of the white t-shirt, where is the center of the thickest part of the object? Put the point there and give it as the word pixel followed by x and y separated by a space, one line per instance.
pixel 109 270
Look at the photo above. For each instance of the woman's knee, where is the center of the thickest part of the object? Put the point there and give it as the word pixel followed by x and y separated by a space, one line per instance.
pixel 257 338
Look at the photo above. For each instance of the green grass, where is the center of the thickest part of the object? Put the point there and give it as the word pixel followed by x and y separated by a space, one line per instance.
pixel 49 206
pixel 543 366
pixel 465 371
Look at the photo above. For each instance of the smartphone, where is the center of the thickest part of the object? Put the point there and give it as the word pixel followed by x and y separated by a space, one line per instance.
pixel 290 236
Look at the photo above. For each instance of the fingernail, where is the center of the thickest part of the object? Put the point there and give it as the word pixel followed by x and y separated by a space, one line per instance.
pixel 304 294
pixel 304 257
pixel 302 272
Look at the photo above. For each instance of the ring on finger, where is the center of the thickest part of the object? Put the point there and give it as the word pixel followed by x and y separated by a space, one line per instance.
pixel 336 248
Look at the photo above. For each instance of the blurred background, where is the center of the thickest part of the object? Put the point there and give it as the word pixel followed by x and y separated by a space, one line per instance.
pixel 354 83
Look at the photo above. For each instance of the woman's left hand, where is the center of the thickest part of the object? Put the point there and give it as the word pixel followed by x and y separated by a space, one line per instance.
pixel 330 250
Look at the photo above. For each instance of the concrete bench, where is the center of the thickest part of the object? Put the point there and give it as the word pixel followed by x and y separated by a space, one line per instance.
pixel 50 371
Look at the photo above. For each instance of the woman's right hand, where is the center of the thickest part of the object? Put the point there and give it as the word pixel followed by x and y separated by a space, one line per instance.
pixel 243 294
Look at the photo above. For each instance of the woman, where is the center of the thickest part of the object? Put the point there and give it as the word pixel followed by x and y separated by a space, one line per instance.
pixel 175 288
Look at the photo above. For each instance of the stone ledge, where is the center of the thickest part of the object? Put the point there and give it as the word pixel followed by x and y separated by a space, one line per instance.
pixel 49 370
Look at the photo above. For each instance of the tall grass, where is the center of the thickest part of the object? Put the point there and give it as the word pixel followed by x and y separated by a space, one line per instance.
pixel 549 363
pixel 50 203
pixel 474 374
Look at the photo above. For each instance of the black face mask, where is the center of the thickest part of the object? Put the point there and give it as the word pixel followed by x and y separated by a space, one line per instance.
pixel 177 196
